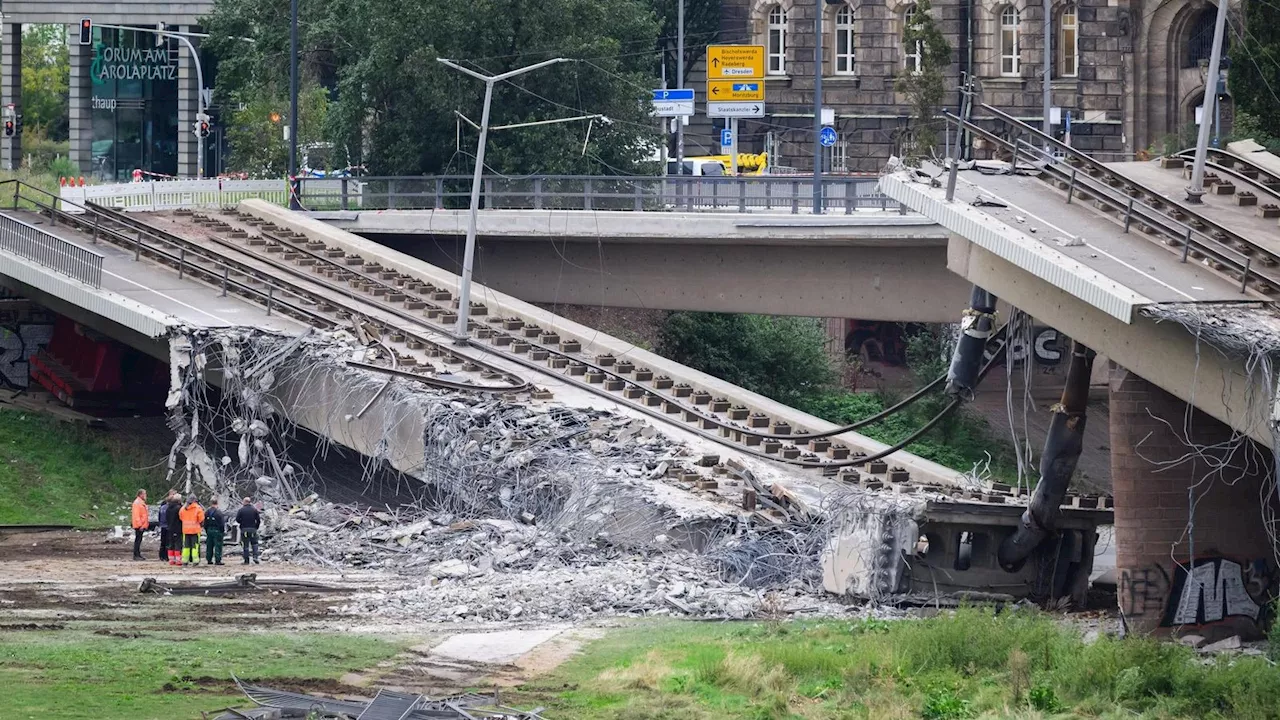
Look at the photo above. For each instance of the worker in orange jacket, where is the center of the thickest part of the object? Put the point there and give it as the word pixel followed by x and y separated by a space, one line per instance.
pixel 192 516
pixel 141 522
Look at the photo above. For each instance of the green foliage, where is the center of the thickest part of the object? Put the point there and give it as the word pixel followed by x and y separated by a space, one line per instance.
pixel 1273 635
pixel 1251 127
pixel 59 472
pixel 954 665
pixel 784 358
pixel 46 74
pixel 1254 79
pixel 701 28
pixel 926 88
pixel 942 703
pixel 87 676
pixel 393 105
pixel 257 140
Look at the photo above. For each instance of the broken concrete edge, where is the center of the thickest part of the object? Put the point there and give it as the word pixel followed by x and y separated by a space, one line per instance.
pixel 113 306
pixel 676 228
pixel 593 341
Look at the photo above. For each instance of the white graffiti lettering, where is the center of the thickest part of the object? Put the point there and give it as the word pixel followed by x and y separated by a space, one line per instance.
pixel 17 348
pixel 1218 587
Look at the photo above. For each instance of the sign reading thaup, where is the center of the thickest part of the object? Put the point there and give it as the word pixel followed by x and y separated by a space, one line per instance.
pixel 132 63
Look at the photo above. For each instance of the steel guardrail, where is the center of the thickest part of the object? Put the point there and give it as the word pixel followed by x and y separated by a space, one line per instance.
pixel 50 251
pixel 1199 237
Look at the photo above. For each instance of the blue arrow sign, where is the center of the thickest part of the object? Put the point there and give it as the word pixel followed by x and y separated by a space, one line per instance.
pixel 827 137
pixel 746 87
pixel 685 94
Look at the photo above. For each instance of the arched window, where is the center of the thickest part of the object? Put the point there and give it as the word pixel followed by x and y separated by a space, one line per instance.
pixel 1068 43
pixel 1200 37
pixel 1009 50
pixel 776 41
pixel 912 56
pixel 844 41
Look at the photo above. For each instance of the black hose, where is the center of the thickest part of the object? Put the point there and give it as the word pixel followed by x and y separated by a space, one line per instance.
pixel 975 332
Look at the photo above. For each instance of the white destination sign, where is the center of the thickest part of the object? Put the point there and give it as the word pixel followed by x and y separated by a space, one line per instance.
pixel 735 109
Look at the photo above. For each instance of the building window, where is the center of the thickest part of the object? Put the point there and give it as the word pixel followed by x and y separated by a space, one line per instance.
pixel 1009 50
pixel 1200 39
pixel 844 41
pixel 1068 43
pixel 776 41
pixel 912 56
pixel 838 155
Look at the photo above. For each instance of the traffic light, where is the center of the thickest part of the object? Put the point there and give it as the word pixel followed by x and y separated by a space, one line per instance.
pixel 86 31
pixel 8 128
pixel 200 128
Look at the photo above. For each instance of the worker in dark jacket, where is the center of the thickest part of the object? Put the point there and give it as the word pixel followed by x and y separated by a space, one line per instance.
pixel 162 520
pixel 249 520
pixel 173 519
pixel 215 526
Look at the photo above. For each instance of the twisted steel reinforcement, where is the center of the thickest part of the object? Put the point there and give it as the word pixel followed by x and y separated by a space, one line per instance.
pixel 269 266
pixel 1174 223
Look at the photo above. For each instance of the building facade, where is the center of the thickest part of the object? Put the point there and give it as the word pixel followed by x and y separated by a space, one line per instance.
pixel 1129 74
pixel 133 97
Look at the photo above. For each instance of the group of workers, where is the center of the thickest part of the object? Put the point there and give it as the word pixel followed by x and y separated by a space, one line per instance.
pixel 180 524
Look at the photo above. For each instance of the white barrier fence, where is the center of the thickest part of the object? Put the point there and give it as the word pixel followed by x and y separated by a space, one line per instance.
pixel 174 194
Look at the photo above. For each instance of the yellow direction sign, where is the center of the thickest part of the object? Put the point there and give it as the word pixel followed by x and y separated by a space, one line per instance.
pixel 734 62
pixel 735 90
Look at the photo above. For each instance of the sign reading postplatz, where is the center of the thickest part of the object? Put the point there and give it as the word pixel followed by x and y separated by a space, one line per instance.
pixel 735 81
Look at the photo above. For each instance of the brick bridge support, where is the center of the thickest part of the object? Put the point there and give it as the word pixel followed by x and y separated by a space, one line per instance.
pixel 1192 548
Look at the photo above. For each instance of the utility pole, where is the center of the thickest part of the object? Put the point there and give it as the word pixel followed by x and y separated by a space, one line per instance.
pixel 293 106
pixel 1196 189
pixel 817 107
pixel 1048 71
pixel 462 330
pixel 680 85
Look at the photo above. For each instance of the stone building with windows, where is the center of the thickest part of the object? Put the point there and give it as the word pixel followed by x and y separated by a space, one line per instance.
pixel 1130 75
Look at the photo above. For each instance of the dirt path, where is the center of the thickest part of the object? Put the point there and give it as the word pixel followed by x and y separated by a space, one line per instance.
pixel 77 581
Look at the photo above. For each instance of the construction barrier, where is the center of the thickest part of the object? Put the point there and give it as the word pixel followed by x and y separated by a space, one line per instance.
pixel 145 195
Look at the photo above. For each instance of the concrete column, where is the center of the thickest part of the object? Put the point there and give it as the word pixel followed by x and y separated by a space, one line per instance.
pixel 1192 550
pixel 188 106
pixel 11 89
pixel 81 122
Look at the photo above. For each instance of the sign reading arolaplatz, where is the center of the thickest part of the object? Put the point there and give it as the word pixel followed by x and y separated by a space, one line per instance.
pixel 735 62
pixel 735 109
pixel 673 103
pixel 729 90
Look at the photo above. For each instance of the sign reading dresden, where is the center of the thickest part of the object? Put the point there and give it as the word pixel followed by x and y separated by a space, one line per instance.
pixel 132 63
pixel 735 62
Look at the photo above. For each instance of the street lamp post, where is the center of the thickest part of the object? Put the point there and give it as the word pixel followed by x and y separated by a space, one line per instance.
pixel 461 333
pixel 293 106
pixel 1196 189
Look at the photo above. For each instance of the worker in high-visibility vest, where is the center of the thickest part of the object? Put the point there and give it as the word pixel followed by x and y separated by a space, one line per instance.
pixel 192 516
pixel 141 522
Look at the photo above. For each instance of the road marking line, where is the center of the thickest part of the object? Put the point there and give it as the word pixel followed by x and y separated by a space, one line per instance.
pixel 169 298
pixel 1087 244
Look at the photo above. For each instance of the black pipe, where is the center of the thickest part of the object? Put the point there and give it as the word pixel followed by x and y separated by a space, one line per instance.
pixel 1062 447
pixel 975 330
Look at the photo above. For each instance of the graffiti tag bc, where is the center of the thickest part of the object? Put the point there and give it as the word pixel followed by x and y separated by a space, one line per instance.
pixel 1216 589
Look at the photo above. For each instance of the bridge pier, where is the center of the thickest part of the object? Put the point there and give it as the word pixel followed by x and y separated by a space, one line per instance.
pixel 1192 502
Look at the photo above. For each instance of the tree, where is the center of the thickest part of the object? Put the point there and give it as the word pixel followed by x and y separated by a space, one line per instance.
pixel 1255 68
pixel 46 73
pixel 924 83
pixel 701 28
pixel 392 106
pixel 256 129
pixel 783 358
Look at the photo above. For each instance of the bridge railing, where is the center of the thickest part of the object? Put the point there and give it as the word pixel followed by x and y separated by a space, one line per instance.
pixel 50 251
pixel 583 192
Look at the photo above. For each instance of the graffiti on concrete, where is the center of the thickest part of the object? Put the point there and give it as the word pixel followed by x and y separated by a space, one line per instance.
pixel 1045 346
pixel 1216 589
pixel 1143 591
pixel 25 328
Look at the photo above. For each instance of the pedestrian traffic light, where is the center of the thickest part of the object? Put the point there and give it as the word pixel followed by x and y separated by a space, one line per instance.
pixel 200 128
pixel 86 31
pixel 8 128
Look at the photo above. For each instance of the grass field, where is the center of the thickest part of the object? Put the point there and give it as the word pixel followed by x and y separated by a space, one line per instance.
pixel 53 471
pixel 79 675
pixel 970 665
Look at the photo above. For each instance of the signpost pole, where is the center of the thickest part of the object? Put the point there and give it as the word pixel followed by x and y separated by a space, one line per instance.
pixel 680 85
pixel 733 145
pixel 817 107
